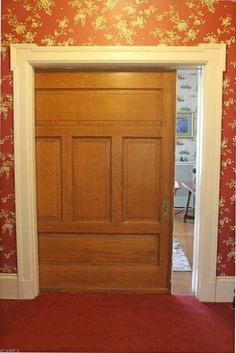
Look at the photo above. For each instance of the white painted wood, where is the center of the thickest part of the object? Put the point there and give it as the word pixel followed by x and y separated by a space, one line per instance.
pixel 25 183
pixel 211 57
pixel 225 289
pixel 207 184
pixel 8 286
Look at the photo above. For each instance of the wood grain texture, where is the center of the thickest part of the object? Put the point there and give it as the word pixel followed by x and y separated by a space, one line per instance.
pixel 117 181
pixel 67 178
pixel 99 80
pixel 143 227
pixel 141 179
pixel 181 282
pixel 131 105
pixel 48 176
pixel 91 179
pixel 114 278
pixel 101 129
pixel 117 166
pixel 99 249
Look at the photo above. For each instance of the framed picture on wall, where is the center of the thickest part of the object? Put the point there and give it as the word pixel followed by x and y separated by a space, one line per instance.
pixel 184 124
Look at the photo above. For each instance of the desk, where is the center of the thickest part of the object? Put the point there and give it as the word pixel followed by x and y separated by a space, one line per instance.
pixel 190 187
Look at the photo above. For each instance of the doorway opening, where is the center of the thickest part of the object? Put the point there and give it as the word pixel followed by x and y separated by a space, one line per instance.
pixel 25 58
pixel 188 108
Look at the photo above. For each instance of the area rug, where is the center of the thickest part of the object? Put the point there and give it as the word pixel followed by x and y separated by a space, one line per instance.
pixel 179 260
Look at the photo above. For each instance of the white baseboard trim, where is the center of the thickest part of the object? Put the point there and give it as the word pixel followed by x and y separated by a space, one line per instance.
pixel 225 289
pixel 8 286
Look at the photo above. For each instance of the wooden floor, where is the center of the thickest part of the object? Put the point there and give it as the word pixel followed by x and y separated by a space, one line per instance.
pixel 183 232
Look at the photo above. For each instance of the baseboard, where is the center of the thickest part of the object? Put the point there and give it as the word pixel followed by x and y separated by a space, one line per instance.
pixel 225 289
pixel 8 286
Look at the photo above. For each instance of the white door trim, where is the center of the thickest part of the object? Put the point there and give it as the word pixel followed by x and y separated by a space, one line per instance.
pixel 211 57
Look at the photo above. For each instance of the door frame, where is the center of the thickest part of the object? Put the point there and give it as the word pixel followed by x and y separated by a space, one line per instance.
pixel 210 57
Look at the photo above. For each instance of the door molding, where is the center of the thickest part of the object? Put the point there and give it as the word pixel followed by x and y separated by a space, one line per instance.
pixel 210 57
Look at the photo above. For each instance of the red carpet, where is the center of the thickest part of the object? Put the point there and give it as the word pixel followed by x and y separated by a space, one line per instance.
pixel 116 323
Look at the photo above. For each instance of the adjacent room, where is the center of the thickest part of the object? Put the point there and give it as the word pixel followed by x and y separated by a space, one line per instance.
pixel 187 107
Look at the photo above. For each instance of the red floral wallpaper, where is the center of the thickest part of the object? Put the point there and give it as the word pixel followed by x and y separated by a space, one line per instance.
pixel 119 22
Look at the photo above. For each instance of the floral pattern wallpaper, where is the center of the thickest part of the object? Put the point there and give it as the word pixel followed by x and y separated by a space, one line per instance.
pixel 119 22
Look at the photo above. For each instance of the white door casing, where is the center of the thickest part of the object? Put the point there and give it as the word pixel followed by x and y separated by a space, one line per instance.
pixel 210 57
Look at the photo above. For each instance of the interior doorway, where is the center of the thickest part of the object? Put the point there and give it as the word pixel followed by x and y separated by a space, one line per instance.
pixel 188 107
pixel 25 58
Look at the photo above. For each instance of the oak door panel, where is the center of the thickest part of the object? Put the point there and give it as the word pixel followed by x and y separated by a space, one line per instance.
pixel 72 80
pixel 100 249
pixel 92 105
pixel 141 279
pixel 48 176
pixel 141 179
pixel 105 168
pixel 92 182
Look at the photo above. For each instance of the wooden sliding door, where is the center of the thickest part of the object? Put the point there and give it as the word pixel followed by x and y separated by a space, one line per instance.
pixel 105 170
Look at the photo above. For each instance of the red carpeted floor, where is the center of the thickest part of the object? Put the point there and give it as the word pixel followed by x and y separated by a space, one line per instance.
pixel 116 323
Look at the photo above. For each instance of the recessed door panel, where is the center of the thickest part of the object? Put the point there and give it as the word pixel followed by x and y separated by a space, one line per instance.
pixel 48 152
pixel 100 249
pixel 90 105
pixel 141 177
pixel 91 179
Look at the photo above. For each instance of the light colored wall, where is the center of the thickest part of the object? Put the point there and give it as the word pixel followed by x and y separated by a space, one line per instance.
pixel 187 100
